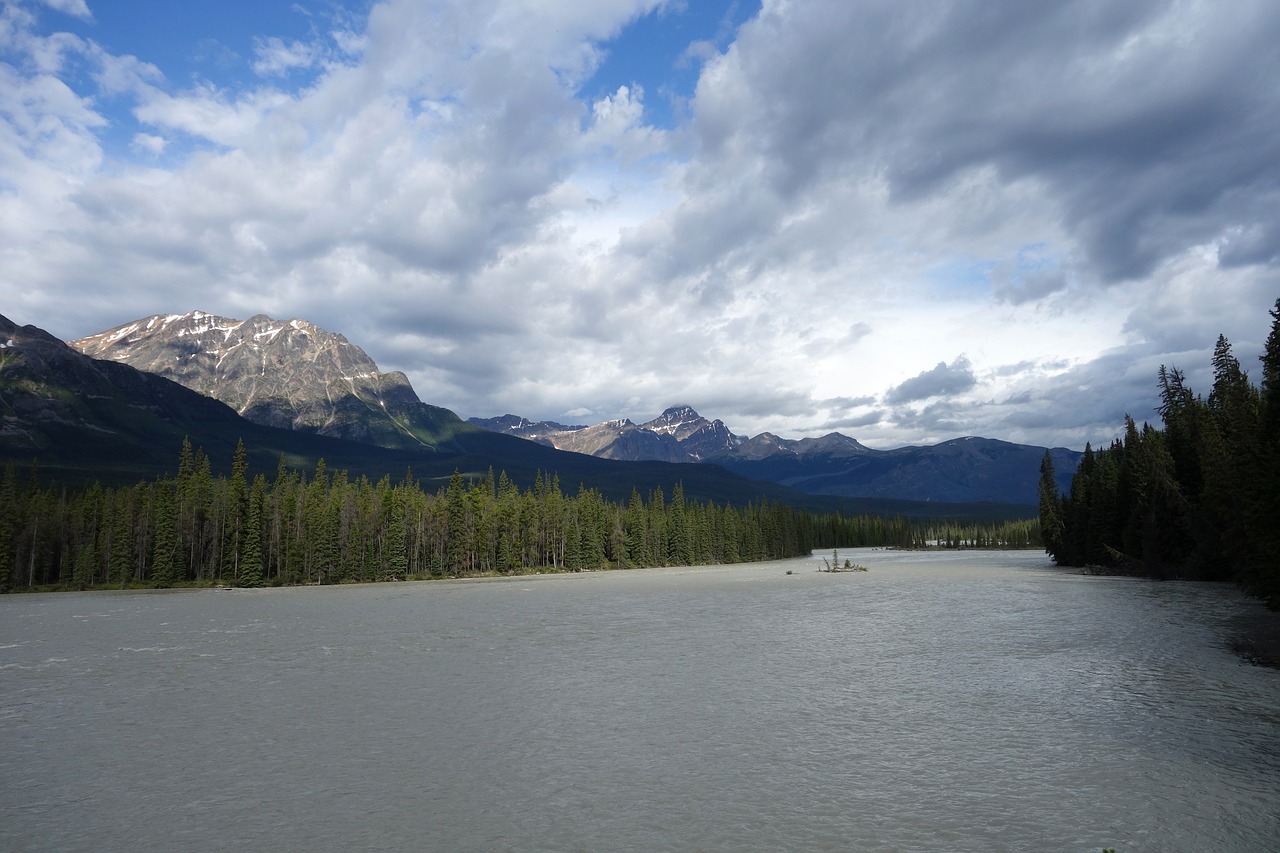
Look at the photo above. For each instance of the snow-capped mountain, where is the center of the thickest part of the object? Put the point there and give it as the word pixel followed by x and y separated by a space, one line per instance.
pixel 679 434
pixel 282 373
pixel 293 374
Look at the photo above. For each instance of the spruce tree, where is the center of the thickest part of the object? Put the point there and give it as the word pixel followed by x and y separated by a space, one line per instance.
pixel 458 545
pixel 1050 508
pixel 250 569
pixel 11 513
pixel 164 562
pixel 237 511
pixel 1264 577
pixel 395 556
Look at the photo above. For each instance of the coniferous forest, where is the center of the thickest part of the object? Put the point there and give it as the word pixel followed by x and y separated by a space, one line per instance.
pixel 198 528
pixel 1198 499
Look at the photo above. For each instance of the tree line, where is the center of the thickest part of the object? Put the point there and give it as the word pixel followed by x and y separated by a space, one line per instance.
pixel 1198 499
pixel 198 528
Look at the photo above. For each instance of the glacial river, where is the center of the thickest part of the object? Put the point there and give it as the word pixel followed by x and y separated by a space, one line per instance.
pixel 939 702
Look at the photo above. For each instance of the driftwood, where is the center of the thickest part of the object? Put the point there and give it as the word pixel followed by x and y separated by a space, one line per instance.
pixel 833 565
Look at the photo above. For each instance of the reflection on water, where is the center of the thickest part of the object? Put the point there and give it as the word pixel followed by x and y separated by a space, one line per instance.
pixel 938 702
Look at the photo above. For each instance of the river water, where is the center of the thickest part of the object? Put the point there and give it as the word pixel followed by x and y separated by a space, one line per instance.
pixel 972 701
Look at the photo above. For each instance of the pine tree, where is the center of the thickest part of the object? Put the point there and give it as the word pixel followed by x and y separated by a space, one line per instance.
pixel 679 548
pixel 250 569
pixel 1264 575
pixel 459 548
pixel 164 563
pixel 395 556
pixel 1050 508
pixel 11 515
pixel 635 525
pixel 237 511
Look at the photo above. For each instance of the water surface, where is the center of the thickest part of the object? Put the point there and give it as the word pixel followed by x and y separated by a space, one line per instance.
pixel 982 700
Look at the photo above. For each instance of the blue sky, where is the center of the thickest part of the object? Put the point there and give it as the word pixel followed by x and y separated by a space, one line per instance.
pixel 661 52
pixel 187 41
pixel 907 220
pixel 218 44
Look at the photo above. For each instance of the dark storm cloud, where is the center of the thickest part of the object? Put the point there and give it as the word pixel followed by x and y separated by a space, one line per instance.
pixel 1153 125
pixel 856 422
pixel 943 380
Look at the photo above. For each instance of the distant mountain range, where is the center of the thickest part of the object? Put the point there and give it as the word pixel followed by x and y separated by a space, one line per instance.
pixel 677 435
pixel 969 469
pixel 80 419
pixel 306 392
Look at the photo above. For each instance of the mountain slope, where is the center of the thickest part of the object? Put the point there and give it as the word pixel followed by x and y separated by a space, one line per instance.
pixel 962 470
pixel 81 419
pixel 288 374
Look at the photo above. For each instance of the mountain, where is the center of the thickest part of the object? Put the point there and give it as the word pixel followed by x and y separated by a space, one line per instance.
pixel 700 438
pixel 523 427
pixel 289 374
pixel 964 470
pixel 677 435
pixel 80 419
pixel 833 445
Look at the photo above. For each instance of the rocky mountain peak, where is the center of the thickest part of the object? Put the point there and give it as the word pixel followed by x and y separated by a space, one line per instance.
pixel 699 438
pixel 675 419
pixel 282 373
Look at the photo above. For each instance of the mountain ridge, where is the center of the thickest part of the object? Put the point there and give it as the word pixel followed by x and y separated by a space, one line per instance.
pixel 73 419
pixel 293 374
pixel 966 469
pixel 679 434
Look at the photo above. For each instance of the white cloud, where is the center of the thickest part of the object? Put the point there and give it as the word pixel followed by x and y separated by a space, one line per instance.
pixel 75 8
pixel 1069 196
pixel 148 143
pixel 275 56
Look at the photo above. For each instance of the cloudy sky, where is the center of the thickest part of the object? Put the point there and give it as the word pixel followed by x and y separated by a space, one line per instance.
pixel 906 221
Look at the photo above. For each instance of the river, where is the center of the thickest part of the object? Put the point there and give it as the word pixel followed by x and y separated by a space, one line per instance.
pixel 938 702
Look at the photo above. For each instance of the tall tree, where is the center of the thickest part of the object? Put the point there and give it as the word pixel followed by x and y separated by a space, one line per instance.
pixel 250 569
pixel 1050 508
pixel 164 564
pixel 237 513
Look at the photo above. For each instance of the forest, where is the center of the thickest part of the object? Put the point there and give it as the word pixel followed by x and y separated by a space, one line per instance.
pixel 1198 499
pixel 196 528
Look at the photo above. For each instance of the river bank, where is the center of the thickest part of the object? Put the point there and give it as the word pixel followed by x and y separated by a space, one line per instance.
pixel 1256 636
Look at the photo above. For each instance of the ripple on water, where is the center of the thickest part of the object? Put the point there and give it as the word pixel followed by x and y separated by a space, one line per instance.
pixel 938 702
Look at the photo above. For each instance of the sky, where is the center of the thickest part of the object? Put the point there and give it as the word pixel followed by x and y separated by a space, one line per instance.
pixel 903 220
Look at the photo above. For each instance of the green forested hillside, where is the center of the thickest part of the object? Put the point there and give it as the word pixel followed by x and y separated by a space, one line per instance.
pixel 332 527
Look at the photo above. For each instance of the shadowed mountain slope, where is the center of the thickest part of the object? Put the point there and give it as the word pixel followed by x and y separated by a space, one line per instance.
pixel 81 419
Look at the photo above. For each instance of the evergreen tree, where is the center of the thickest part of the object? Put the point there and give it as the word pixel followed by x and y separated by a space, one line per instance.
pixel 11 514
pixel 1263 575
pixel 1050 508
pixel 635 525
pixel 236 516
pixel 164 564
pixel 459 548
pixel 679 546
pixel 250 569
pixel 395 556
